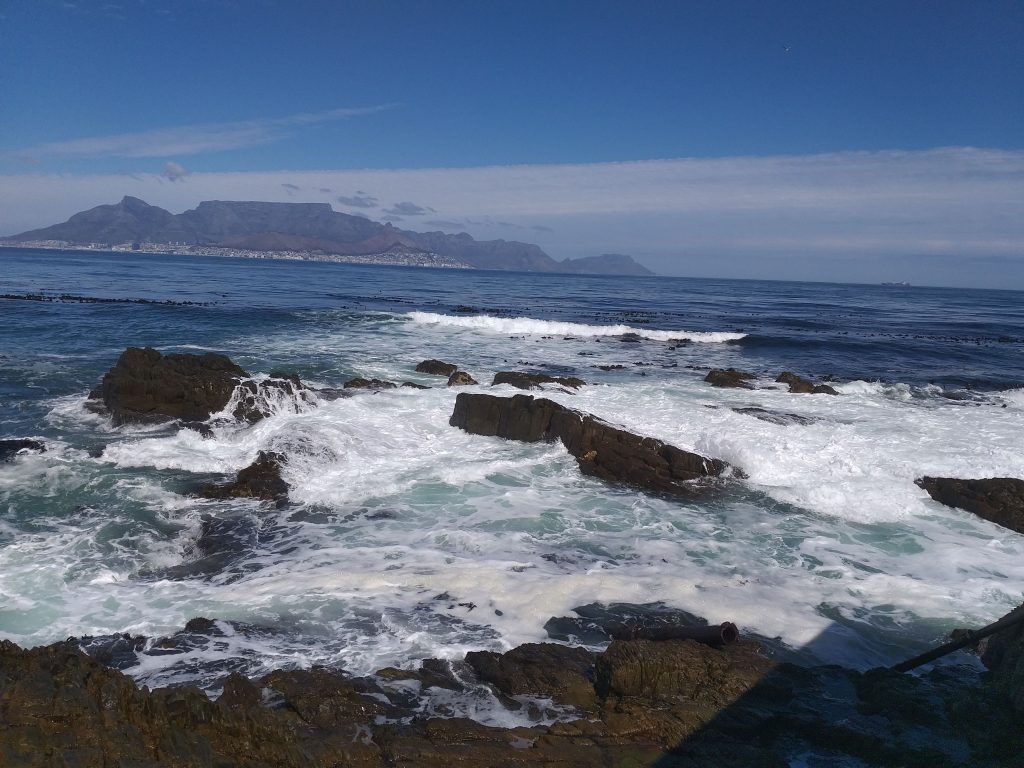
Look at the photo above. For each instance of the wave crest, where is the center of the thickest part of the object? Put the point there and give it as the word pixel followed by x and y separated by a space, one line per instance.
pixel 530 325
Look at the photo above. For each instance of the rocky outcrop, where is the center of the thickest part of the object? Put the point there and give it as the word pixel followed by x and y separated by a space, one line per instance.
pixel 997 499
pixel 521 380
pixel 436 368
pixel 1003 653
pixel 11 448
pixel 460 379
pixel 540 669
pixel 260 480
pixel 146 387
pixel 729 378
pixel 637 703
pixel 801 386
pixel 601 450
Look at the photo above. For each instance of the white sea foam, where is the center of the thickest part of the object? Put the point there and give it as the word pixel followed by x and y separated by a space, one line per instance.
pixel 529 325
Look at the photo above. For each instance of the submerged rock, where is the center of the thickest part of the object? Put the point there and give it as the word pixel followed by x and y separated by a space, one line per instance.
pixel 776 417
pixel 436 368
pixel 601 450
pixel 997 499
pixel 729 377
pixel 147 387
pixel 11 448
pixel 521 380
pixel 260 480
pixel 460 379
pixel 801 386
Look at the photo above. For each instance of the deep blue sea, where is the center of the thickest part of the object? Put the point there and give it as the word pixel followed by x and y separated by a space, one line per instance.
pixel 406 538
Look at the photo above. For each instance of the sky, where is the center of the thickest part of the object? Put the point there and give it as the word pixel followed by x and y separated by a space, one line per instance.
pixel 848 140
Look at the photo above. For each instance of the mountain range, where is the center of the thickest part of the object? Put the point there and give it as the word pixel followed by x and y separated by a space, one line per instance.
pixel 313 227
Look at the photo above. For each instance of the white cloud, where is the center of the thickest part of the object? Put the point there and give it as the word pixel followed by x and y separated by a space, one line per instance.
pixel 175 171
pixel 191 139
pixel 784 216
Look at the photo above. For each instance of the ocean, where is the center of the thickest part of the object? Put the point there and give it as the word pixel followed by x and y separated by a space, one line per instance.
pixel 405 538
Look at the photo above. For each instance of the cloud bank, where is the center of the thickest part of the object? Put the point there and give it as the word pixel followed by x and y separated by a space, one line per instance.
pixel 192 139
pixel 942 216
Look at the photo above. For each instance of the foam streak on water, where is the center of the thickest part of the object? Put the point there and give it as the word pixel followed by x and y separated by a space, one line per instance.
pixel 406 538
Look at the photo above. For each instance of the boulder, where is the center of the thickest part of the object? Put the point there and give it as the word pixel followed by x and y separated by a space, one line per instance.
pixel 260 480
pixel 801 386
pixel 997 499
pixel 360 383
pixel 539 669
pixel 460 379
pixel 11 448
pixel 436 368
pixel 147 387
pixel 601 450
pixel 729 377
pixel 521 380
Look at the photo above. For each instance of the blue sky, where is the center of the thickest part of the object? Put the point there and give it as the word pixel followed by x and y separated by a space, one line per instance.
pixel 809 140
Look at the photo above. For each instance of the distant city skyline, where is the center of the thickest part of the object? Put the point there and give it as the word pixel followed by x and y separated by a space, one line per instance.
pixel 849 141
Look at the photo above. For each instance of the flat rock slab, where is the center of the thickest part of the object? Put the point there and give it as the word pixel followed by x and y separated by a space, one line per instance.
pixel 729 378
pixel 997 499
pixel 601 450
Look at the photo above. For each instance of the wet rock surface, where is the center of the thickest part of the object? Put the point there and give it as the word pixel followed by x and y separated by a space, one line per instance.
pixel 638 703
pixel 729 378
pixel 257 399
pixel 260 480
pixel 997 499
pixel 436 368
pixel 145 386
pixel 801 386
pixel 360 383
pixel 521 380
pixel 601 450
pixel 776 417
pixel 9 449
pixel 460 379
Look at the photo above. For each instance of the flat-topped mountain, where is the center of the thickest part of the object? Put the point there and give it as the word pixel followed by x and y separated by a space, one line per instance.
pixel 310 227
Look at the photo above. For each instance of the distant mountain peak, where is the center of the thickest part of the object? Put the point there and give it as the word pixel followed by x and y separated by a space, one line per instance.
pixel 256 225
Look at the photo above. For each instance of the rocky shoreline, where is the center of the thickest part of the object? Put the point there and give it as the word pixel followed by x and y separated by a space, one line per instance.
pixel 652 695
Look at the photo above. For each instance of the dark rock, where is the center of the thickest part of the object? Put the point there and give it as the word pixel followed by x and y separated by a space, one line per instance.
pixel 201 625
pixel 460 379
pixel 799 385
pixel 615 367
pixel 997 499
pixel 521 380
pixel 685 668
pixel 322 697
pixel 539 669
pixel 361 383
pixel 146 387
pixel 11 448
pixel 729 377
pixel 413 385
pixel 436 368
pixel 205 430
pixel 601 450
pixel 260 480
